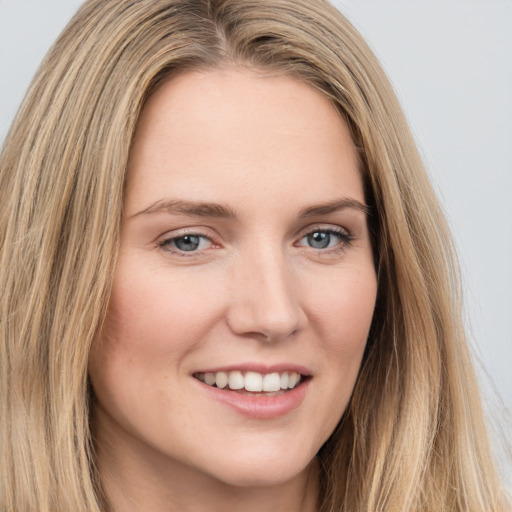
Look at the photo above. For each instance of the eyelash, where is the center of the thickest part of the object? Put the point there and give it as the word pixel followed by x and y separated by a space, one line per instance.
pixel 344 236
pixel 166 244
pixel 345 239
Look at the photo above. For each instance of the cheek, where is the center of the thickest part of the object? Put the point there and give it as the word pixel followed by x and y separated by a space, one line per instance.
pixel 342 317
pixel 342 311
pixel 159 313
pixel 153 323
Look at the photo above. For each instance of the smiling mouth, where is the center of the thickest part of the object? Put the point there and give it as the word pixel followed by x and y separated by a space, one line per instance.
pixel 252 382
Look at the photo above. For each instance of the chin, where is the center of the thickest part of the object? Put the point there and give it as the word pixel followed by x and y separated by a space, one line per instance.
pixel 263 472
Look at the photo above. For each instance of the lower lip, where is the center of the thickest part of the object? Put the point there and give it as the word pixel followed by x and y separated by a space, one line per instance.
pixel 260 406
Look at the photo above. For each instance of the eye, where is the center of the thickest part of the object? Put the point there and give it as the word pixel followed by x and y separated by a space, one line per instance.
pixel 325 239
pixel 186 243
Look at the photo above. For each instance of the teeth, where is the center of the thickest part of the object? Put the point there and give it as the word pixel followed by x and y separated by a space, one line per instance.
pixel 272 382
pixel 251 381
pixel 221 379
pixel 236 380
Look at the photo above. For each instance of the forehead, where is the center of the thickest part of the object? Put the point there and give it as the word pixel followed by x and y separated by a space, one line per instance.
pixel 239 133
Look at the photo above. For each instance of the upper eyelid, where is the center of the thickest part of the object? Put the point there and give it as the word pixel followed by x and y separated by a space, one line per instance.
pixel 345 236
pixel 187 231
pixel 201 231
pixel 163 241
pixel 323 227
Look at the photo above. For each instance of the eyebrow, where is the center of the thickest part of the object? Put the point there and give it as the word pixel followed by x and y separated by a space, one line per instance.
pixel 334 206
pixel 206 209
pixel 191 208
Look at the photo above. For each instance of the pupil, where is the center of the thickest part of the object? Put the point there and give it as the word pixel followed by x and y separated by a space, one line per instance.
pixel 187 243
pixel 319 240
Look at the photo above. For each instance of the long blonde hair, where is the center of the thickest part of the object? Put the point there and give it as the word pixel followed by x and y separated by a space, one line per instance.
pixel 413 437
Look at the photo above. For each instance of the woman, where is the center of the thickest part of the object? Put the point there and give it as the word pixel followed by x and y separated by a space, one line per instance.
pixel 225 278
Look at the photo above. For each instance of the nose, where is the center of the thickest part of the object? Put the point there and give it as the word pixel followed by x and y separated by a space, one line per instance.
pixel 264 302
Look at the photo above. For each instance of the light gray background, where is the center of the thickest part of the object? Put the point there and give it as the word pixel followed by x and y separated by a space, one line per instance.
pixel 451 64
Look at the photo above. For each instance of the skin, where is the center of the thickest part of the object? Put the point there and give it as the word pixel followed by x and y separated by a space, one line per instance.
pixel 269 149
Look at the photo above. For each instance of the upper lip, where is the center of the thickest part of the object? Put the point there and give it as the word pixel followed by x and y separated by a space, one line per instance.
pixel 258 367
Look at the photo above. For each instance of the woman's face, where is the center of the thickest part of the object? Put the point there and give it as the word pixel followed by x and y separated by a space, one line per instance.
pixel 245 260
